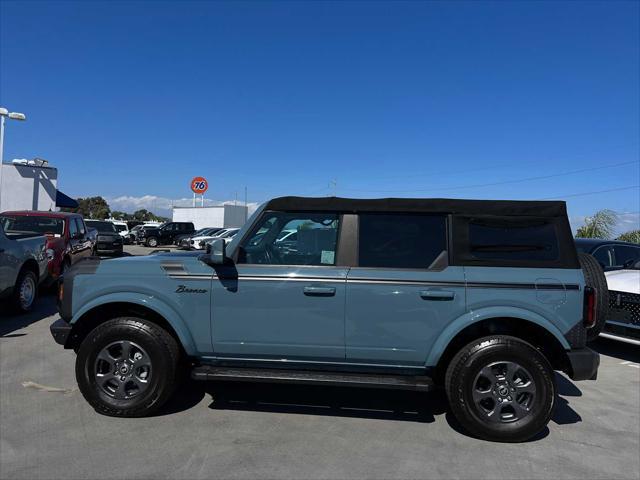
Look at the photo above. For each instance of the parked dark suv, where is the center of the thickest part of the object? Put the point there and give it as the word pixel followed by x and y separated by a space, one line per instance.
pixel 165 234
pixel 611 254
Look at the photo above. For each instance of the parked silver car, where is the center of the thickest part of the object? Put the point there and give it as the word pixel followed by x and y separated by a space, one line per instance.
pixel 23 266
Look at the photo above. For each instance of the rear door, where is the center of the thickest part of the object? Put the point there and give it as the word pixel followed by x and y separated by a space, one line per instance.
pixel 402 293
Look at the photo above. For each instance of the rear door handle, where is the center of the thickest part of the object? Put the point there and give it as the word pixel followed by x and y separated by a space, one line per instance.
pixel 319 291
pixel 437 294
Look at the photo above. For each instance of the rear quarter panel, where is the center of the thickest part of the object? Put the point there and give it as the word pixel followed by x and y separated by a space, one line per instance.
pixel 520 293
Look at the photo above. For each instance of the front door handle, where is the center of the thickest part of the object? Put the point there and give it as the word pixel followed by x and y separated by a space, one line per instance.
pixel 319 291
pixel 437 295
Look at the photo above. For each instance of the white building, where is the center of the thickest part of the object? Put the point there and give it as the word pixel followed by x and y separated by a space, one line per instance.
pixel 221 216
pixel 28 187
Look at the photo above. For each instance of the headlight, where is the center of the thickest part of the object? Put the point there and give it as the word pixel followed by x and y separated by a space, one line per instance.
pixel 50 253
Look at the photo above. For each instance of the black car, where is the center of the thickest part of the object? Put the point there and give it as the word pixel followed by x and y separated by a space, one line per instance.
pixel 611 254
pixel 165 234
pixel 108 240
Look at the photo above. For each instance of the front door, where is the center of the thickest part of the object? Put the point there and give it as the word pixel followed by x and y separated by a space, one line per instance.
pixel 403 293
pixel 80 243
pixel 282 299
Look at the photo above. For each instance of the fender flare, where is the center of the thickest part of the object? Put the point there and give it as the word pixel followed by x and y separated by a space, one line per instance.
pixel 152 303
pixel 469 318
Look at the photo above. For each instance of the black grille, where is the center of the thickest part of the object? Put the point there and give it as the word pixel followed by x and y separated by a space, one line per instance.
pixel 624 307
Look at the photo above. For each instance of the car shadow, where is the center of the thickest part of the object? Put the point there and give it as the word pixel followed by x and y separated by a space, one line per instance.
pixel 398 405
pixel 10 321
pixel 311 400
pixel 616 349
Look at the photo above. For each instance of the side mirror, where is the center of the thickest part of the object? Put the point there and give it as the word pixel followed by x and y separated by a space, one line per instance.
pixel 217 252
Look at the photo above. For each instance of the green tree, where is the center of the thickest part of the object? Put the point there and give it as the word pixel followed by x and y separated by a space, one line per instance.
pixel 92 207
pixel 121 215
pixel 599 225
pixel 632 236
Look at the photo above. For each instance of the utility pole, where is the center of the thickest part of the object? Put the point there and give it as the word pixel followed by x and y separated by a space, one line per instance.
pixel 333 187
pixel 246 207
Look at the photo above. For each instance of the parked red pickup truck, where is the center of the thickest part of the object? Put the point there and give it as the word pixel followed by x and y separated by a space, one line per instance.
pixel 66 235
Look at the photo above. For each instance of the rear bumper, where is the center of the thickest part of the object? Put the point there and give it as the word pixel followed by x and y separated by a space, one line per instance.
pixel 110 250
pixel 60 330
pixel 583 364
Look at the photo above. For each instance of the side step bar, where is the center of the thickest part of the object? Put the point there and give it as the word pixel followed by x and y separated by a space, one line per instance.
pixel 308 377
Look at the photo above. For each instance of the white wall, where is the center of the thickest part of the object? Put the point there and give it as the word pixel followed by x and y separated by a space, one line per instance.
pixel 28 188
pixel 234 216
pixel 219 216
pixel 200 216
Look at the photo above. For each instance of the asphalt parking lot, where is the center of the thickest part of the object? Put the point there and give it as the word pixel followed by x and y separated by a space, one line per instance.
pixel 47 430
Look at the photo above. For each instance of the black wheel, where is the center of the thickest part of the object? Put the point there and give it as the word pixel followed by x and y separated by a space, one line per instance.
pixel 501 388
pixel 152 242
pixel 25 291
pixel 594 277
pixel 127 367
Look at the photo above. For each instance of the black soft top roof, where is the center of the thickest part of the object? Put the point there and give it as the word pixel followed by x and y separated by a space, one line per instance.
pixel 421 205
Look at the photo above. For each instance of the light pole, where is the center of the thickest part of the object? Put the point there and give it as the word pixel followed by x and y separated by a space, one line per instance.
pixel 13 116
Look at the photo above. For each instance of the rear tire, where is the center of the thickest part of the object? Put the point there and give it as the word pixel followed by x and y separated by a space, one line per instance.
pixel 501 388
pixel 594 277
pixel 127 367
pixel 25 291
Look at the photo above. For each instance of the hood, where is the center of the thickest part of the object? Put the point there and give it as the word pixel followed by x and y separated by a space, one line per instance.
pixel 624 281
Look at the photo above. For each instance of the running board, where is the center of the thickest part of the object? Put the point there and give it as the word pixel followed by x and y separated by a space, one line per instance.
pixel 309 377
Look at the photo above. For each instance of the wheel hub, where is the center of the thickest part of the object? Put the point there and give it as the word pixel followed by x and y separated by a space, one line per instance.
pixel 123 370
pixel 504 392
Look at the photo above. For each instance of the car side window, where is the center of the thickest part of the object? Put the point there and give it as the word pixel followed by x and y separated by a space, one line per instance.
pixel 626 255
pixel 401 240
pixel 315 242
pixel 73 228
pixel 604 255
pixel 81 228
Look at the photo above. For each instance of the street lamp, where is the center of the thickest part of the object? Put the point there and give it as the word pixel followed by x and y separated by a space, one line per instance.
pixel 13 116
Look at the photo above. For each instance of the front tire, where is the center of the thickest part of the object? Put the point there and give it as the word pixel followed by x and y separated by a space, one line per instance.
pixel 152 242
pixel 501 388
pixel 127 367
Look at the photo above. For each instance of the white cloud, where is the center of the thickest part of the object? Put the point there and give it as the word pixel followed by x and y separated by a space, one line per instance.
pixel 162 205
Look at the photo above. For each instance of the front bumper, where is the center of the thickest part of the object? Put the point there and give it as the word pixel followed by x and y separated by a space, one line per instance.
pixel 583 364
pixel 60 330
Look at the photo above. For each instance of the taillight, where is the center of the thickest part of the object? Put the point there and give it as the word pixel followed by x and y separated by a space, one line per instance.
pixel 590 305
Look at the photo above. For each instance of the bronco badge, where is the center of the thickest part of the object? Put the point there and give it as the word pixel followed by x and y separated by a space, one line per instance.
pixel 185 289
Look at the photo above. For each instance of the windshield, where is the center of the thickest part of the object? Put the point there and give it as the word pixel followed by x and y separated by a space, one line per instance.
pixel 101 227
pixel 29 224
pixel 228 233
pixel 120 228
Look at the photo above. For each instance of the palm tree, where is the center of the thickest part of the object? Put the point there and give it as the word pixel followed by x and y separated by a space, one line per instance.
pixel 632 236
pixel 599 226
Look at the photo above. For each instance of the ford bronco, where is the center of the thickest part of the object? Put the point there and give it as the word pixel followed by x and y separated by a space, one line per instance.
pixel 482 298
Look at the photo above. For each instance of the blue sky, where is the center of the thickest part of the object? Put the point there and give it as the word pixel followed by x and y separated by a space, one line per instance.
pixel 130 100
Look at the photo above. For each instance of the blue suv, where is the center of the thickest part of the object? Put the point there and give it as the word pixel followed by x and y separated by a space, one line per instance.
pixel 482 298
